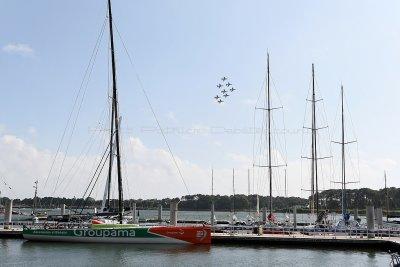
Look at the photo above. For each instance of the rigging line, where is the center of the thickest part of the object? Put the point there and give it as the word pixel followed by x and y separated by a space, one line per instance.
pixel 96 159
pixel 82 162
pixel 152 111
pixel 354 134
pixel 254 143
pixel 261 89
pixel 85 151
pixel 353 129
pixel 123 159
pixel 78 112
pixel 95 173
pixel 73 106
pixel 78 161
pixel 305 135
pixel 102 141
pixel 255 134
pixel 260 141
pixel 283 116
pixel 95 182
pixel 329 143
pixel 260 154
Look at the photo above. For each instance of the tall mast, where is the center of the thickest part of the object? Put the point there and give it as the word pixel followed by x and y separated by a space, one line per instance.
pixel 233 188
pixel 314 167
pixel 344 204
pixel 268 138
pixel 108 202
pixel 285 184
pixel 116 119
pixel 248 190
pixel 268 96
pixel 387 199
pixel 343 144
pixel 35 197
pixel 212 185
pixel 212 219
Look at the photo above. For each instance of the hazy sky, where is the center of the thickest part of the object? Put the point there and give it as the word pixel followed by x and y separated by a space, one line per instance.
pixel 181 49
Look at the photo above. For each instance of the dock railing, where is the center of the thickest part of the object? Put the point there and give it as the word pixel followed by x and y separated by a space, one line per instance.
pixel 388 232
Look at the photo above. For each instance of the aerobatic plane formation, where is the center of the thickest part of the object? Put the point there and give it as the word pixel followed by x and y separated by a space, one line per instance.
pixel 224 87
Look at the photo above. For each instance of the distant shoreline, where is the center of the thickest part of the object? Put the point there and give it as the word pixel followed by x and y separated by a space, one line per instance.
pixel 329 200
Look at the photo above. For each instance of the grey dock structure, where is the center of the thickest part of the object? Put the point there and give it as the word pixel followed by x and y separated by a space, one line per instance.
pixel 300 240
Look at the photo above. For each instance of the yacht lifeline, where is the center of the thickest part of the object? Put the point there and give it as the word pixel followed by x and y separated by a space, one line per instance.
pixel 97 232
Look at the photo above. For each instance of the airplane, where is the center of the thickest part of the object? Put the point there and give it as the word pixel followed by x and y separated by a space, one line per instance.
pixel 232 89
pixel 224 91
pixel 224 78
pixel 226 95
pixel 219 85
pixel 228 84
pixel 220 101
pixel 217 97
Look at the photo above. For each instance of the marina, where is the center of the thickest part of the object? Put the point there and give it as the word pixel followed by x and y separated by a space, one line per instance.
pixel 154 162
pixel 386 238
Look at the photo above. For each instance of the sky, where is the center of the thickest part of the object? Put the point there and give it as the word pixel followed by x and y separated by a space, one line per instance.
pixel 180 50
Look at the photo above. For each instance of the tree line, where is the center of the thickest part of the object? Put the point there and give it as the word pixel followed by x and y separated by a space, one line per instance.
pixel 328 199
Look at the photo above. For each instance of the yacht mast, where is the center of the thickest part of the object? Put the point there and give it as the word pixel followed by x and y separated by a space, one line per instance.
pixel 344 204
pixel 248 190
pixel 387 199
pixel 212 220
pixel 268 137
pixel 212 185
pixel 286 184
pixel 233 188
pixel 111 158
pixel 314 162
pixel 268 96
pixel 35 197
pixel 343 144
pixel 115 117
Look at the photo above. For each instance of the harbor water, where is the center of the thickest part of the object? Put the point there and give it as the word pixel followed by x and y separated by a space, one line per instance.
pixel 26 253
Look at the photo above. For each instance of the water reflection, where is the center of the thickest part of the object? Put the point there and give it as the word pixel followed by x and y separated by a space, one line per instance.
pixel 89 253
pixel 100 247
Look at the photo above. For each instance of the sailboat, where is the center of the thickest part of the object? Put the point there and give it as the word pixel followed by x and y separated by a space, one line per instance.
pixel 345 221
pixel 314 204
pixel 270 218
pixel 120 232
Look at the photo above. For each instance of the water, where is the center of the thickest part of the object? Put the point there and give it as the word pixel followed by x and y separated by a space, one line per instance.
pixel 25 253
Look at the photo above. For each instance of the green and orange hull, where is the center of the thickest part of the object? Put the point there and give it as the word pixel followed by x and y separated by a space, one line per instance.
pixel 129 235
